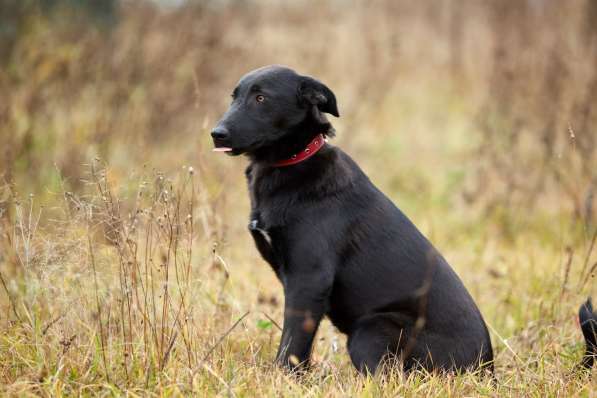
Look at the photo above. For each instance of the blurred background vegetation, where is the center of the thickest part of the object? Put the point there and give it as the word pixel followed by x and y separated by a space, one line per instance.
pixel 505 92
pixel 479 119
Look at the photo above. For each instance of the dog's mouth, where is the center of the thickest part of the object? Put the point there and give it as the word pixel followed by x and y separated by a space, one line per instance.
pixel 228 150
pixel 226 146
pixel 222 149
pixel 221 146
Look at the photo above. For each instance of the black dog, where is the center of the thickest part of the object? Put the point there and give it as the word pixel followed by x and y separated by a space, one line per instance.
pixel 339 246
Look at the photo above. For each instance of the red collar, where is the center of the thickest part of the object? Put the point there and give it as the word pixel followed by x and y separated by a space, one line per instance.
pixel 315 145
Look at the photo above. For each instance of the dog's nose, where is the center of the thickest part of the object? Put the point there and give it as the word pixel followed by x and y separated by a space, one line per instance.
pixel 220 133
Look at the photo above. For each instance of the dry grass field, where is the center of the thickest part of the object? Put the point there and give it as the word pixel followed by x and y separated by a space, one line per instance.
pixel 125 263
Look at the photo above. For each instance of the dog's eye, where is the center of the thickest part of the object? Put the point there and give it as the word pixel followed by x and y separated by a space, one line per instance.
pixel 260 98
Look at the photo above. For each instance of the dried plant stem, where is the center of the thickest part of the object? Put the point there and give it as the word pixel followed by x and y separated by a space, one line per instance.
pixel 585 272
pixel 222 337
pixel 99 307
pixel 13 304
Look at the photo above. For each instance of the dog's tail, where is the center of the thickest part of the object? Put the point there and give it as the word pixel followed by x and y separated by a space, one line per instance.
pixel 588 324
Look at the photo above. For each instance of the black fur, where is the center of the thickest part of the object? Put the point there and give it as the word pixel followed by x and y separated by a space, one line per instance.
pixel 338 245
pixel 588 324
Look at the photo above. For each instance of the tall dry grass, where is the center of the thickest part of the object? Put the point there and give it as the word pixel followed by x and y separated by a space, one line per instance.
pixel 124 260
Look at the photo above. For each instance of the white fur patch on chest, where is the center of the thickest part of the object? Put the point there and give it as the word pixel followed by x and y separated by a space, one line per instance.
pixel 263 232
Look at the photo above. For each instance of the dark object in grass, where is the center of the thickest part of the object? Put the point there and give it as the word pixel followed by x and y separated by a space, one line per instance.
pixel 588 324
pixel 338 245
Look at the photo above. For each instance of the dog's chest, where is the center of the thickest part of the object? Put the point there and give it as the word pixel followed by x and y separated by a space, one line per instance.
pixel 265 221
pixel 255 226
pixel 267 211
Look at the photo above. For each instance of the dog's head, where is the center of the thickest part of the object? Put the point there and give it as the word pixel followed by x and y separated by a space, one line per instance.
pixel 269 105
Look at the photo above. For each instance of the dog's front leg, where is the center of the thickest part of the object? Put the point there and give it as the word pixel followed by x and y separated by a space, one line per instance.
pixel 306 302
pixel 263 244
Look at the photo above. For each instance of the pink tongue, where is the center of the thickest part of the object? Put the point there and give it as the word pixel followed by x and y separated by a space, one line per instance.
pixel 222 149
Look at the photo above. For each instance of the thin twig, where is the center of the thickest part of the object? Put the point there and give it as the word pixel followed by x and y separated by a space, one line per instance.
pixel 214 374
pixel 272 321
pixel 10 298
pixel 587 258
pixel 97 300
pixel 589 275
pixel 170 346
pixel 50 324
pixel 230 329
pixel 567 270
pixel 504 342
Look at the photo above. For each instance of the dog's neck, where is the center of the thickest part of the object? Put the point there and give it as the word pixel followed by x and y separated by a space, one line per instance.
pixel 310 150
pixel 296 140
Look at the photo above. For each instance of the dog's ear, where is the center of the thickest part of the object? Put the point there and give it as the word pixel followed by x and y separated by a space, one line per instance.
pixel 313 92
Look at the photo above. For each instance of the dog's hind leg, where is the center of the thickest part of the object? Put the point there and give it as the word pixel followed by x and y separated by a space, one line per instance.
pixel 394 336
pixel 376 338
